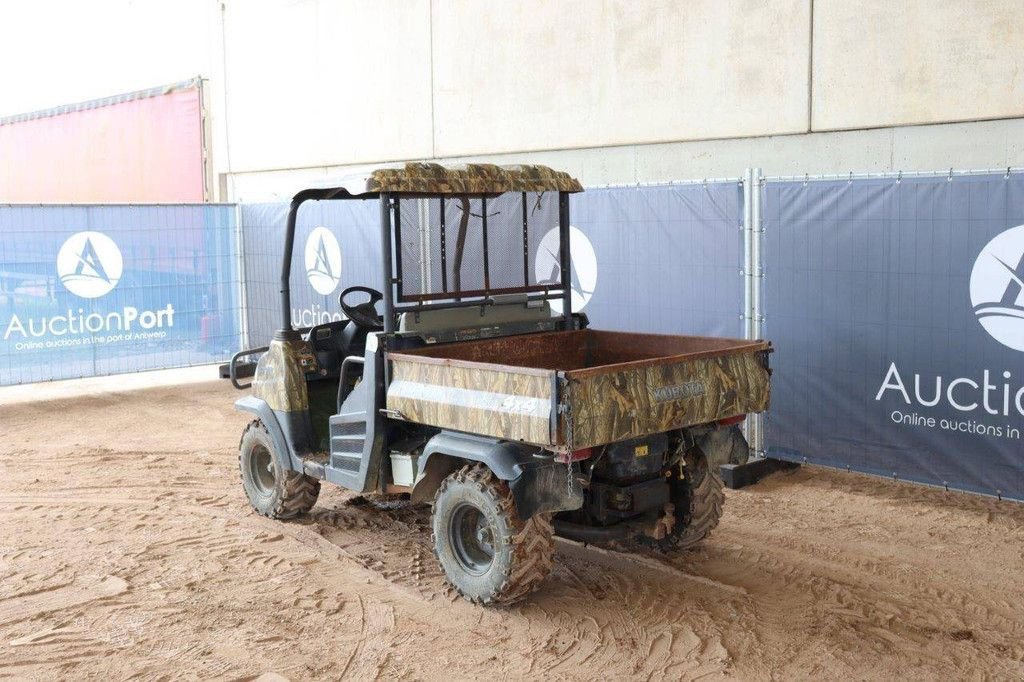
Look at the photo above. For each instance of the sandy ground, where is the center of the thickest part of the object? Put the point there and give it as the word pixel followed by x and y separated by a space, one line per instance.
pixel 127 549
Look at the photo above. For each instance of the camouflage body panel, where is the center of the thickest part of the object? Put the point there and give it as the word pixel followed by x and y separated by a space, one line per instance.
pixel 504 402
pixel 612 386
pixel 281 375
pixel 474 178
pixel 605 407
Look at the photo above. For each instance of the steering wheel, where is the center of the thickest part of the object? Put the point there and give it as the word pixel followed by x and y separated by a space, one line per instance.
pixel 365 314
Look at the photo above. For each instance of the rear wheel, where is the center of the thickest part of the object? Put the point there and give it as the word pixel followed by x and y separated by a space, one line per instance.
pixel 697 495
pixel 488 554
pixel 272 490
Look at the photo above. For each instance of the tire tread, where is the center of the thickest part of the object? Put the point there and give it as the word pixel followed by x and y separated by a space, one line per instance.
pixel 532 541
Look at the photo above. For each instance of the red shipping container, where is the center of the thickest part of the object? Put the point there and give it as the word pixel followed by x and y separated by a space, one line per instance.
pixel 143 147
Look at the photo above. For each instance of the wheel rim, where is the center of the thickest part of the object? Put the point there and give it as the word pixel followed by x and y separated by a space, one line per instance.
pixel 261 470
pixel 472 539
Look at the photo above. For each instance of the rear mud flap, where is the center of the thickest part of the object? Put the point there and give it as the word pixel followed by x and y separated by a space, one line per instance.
pixel 546 487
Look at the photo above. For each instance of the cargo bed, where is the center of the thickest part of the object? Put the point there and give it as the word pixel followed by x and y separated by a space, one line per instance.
pixel 577 389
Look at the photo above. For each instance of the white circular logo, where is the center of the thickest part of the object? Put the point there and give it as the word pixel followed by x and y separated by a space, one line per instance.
pixel 323 261
pixel 582 260
pixel 89 264
pixel 997 288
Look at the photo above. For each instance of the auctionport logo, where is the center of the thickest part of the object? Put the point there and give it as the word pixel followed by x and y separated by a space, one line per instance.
pixel 995 397
pixel 582 261
pixel 997 288
pixel 323 261
pixel 89 264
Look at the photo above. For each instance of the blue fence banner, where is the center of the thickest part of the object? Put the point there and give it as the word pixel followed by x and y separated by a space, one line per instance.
pixel 897 310
pixel 93 290
pixel 659 259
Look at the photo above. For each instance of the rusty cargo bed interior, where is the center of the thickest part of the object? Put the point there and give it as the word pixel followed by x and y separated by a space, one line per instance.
pixel 584 352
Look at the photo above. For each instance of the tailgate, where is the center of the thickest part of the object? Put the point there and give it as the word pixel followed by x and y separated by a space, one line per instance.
pixel 617 402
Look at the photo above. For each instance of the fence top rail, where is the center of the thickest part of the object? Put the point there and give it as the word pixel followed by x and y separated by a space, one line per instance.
pixel 666 183
pixel 105 204
pixel 894 175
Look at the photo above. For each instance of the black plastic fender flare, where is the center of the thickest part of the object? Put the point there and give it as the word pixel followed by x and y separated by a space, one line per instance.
pixel 537 481
pixel 724 445
pixel 257 406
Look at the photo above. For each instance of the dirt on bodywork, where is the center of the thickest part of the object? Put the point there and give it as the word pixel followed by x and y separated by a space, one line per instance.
pixel 127 548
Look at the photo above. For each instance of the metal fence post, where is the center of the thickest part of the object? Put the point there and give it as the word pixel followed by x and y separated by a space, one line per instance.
pixel 756 295
pixel 748 289
pixel 753 277
pixel 241 263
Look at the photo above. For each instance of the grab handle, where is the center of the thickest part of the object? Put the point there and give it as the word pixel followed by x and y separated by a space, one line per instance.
pixel 234 360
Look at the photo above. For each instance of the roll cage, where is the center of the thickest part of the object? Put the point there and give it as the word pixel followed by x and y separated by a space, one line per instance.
pixel 462 184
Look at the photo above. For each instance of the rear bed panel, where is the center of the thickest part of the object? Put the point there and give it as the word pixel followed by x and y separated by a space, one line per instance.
pixel 659 396
pixel 504 402
pixel 615 385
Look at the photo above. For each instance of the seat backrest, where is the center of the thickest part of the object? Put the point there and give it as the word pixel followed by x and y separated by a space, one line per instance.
pixel 506 308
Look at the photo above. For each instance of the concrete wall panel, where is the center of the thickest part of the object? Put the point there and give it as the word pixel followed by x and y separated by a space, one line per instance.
pixel 882 63
pixel 964 146
pixel 979 144
pixel 319 82
pixel 577 73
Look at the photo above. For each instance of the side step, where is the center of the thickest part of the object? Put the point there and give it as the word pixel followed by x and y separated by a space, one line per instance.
pixel 354 464
pixel 347 466
pixel 348 435
pixel 737 476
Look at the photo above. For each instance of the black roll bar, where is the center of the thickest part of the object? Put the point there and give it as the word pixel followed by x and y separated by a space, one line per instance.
pixel 565 265
pixel 289 242
pixel 389 278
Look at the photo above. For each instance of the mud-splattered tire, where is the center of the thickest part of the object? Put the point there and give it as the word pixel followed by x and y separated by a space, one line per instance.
pixel 487 553
pixel 698 497
pixel 272 490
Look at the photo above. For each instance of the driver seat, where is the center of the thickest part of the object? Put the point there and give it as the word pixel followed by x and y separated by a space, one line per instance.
pixel 333 341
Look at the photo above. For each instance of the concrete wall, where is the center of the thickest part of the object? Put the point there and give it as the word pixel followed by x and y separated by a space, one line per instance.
pixel 641 91
pixel 976 145
pixel 616 91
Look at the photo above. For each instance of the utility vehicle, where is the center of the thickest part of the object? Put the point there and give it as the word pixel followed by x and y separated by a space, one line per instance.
pixel 476 388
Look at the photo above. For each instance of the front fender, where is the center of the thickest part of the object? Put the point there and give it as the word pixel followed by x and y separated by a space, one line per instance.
pixel 261 409
pixel 538 483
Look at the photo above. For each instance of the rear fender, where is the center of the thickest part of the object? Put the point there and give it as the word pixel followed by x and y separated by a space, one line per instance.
pixel 538 483
pixel 724 445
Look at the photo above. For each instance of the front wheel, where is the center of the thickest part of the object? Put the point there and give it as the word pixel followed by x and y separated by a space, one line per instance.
pixel 488 554
pixel 272 490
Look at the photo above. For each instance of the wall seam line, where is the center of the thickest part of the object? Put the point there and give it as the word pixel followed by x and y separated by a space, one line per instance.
pixel 433 118
pixel 810 71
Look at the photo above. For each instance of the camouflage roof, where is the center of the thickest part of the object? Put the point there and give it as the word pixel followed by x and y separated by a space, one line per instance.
pixel 472 178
